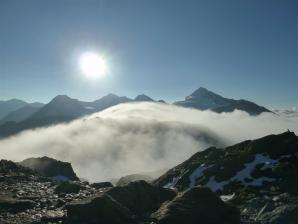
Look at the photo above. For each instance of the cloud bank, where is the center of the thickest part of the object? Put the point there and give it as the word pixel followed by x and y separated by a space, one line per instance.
pixel 139 137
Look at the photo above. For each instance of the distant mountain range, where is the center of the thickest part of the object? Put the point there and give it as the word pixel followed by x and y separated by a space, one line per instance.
pixel 13 105
pixel 60 109
pixel 18 115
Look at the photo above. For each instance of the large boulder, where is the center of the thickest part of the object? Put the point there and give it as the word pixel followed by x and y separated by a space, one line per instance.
pixel 125 204
pixel 51 168
pixel 99 209
pixel 141 197
pixel 197 205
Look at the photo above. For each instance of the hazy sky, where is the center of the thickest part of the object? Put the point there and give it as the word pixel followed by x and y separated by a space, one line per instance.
pixel 163 48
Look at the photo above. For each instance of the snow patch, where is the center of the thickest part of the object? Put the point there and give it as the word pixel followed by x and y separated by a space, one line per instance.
pixel 214 185
pixel 172 183
pixel 246 174
pixel 197 173
pixel 227 197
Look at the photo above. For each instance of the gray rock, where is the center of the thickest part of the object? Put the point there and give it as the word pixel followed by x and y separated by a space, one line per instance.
pixel 198 205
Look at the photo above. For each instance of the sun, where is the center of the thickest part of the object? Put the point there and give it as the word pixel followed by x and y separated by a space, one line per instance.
pixel 92 65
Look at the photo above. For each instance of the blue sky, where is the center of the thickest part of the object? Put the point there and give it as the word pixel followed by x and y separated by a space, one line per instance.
pixel 163 48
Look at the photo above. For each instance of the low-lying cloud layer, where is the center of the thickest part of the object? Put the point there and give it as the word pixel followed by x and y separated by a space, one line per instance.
pixel 139 137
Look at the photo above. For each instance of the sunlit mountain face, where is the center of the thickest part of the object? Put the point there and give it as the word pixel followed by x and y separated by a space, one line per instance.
pixel 148 112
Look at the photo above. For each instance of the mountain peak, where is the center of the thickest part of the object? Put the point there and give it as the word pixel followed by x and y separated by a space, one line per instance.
pixel 110 96
pixel 60 106
pixel 61 98
pixel 203 92
pixel 143 97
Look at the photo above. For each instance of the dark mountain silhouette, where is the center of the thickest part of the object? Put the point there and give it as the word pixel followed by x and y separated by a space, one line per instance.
pixel 60 106
pixel 204 99
pixel 61 109
pixel 20 114
pixel 10 105
pixel 14 104
pixel 105 102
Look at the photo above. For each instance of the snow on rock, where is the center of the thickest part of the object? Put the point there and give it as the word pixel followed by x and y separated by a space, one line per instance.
pixel 214 185
pixel 249 167
pixel 246 174
pixel 197 173
pixel 172 183
pixel 227 197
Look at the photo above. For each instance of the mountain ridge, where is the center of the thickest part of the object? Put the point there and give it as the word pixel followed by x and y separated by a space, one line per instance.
pixel 205 99
pixel 63 108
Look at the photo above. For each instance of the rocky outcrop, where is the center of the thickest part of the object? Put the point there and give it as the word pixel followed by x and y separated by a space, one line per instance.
pixel 261 163
pixel 125 204
pixel 140 197
pixel 99 209
pixel 251 175
pixel 28 197
pixel 51 168
pixel 197 205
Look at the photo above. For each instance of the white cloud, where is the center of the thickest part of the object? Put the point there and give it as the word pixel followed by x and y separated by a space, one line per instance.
pixel 139 137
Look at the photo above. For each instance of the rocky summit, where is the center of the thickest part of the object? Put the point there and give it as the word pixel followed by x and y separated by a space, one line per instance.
pixel 29 197
pixel 258 176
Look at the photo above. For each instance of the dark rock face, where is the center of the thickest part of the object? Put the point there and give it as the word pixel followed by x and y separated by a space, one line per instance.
pixel 140 197
pixel 126 204
pixel 99 209
pixel 279 209
pixel 198 205
pixel 51 168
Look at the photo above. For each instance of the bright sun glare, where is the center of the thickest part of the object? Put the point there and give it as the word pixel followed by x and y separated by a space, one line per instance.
pixel 92 65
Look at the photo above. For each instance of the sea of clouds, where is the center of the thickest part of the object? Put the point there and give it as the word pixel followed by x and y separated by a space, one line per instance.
pixel 139 137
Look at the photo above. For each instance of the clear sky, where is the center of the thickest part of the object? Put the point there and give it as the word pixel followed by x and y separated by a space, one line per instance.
pixel 163 48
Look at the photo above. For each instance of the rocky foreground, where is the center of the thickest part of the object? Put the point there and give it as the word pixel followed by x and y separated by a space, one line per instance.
pixel 251 182
pixel 29 197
